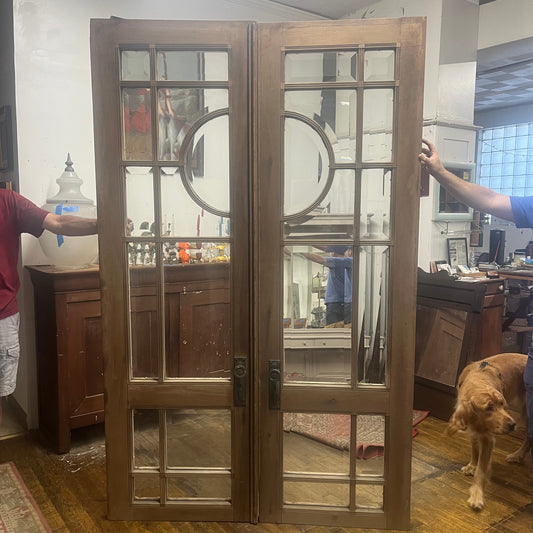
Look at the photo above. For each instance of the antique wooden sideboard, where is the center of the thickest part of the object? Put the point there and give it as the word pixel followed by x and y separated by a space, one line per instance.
pixel 70 363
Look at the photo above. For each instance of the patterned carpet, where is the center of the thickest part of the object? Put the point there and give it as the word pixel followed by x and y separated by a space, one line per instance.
pixel 18 511
pixel 334 430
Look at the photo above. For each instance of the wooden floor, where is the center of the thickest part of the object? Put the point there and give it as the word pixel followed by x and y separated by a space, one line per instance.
pixel 70 488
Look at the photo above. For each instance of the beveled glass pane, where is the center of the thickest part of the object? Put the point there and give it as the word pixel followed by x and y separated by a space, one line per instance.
pixel 146 487
pixel 311 67
pixel 198 438
pixel 370 439
pixel 316 442
pixel 317 313
pixel 182 216
pixel 378 112
pixel 379 65
pixel 136 110
pixel 199 487
pixel 334 110
pixel 375 203
pixel 192 65
pixel 145 319
pixel 373 309
pixel 305 166
pixel 178 110
pixel 139 203
pixel 135 65
pixel 313 493
pixel 333 217
pixel 145 438
pixel 198 329
pixel 369 496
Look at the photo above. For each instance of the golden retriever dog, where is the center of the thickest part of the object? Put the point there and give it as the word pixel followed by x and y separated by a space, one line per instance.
pixel 484 390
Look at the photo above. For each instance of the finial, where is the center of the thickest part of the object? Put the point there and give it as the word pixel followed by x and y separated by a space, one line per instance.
pixel 68 162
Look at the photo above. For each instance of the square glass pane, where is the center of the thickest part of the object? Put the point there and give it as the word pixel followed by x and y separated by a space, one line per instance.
pixel 333 216
pixel 370 439
pixel 199 487
pixel 311 67
pixel 373 311
pixel 334 111
pixel 192 65
pixel 369 496
pixel 182 217
pixel 135 65
pixel 375 203
pixel 178 110
pixel 145 438
pixel 145 319
pixel 137 137
pixel 316 443
pixel 314 493
pixel 146 487
pixel 378 113
pixel 379 65
pixel 198 438
pixel 139 203
pixel 198 329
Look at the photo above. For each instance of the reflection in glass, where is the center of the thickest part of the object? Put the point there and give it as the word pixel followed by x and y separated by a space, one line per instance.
pixel 137 138
pixel 373 310
pixel 378 108
pixel 192 66
pixel 198 438
pixel 311 67
pixel 316 442
pixel 145 320
pixel 201 486
pixel 146 487
pixel 369 496
pixel 135 65
pixel 379 65
pixel 375 203
pixel 178 110
pixel 181 216
pixel 312 493
pixel 370 445
pixel 145 438
pixel 305 166
pixel 198 328
pixel 334 111
pixel 139 204
pixel 333 217
pixel 317 303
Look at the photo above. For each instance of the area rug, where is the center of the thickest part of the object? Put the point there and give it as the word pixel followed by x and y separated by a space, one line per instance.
pixel 334 430
pixel 18 511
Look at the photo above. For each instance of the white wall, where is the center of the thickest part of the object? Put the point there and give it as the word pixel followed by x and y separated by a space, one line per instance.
pixel 54 105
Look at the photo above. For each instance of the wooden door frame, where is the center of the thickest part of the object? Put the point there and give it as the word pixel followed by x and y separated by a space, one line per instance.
pixel 121 395
pixel 408 34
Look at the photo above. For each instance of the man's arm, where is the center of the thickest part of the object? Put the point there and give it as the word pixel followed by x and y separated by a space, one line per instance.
pixel 472 194
pixel 70 225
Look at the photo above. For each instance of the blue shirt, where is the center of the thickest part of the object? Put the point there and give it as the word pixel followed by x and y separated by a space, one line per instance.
pixel 522 207
pixel 336 287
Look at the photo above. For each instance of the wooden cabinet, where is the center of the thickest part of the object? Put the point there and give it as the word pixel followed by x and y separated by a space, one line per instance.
pixel 457 322
pixel 70 361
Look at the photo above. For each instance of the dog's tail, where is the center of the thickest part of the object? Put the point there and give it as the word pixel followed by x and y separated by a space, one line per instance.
pixel 457 421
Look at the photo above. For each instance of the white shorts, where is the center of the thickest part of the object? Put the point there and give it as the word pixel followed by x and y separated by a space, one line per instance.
pixel 9 353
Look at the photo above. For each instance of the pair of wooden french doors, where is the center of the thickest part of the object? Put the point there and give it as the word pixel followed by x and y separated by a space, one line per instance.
pixel 239 167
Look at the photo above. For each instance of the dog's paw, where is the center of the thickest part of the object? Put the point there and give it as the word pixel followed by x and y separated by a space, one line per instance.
pixel 468 470
pixel 515 457
pixel 476 500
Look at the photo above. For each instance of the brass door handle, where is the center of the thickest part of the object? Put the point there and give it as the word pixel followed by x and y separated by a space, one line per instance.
pixel 274 384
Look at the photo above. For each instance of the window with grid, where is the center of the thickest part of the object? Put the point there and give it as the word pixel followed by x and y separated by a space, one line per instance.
pixel 505 159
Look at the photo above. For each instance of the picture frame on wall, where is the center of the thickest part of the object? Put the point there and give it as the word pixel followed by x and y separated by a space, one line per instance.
pixel 6 140
pixel 457 251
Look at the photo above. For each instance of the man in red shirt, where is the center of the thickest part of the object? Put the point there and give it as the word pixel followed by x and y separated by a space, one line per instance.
pixel 19 215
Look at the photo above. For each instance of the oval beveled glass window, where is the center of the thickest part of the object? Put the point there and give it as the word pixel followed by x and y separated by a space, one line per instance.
pixel 306 164
pixel 208 164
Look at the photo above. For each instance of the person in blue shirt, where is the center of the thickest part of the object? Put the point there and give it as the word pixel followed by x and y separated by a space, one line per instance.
pixel 517 209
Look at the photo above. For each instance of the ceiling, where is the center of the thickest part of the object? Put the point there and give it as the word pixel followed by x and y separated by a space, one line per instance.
pixel 504 73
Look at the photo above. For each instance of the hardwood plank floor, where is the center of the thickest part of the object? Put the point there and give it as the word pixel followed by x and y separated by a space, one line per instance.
pixel 70 489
